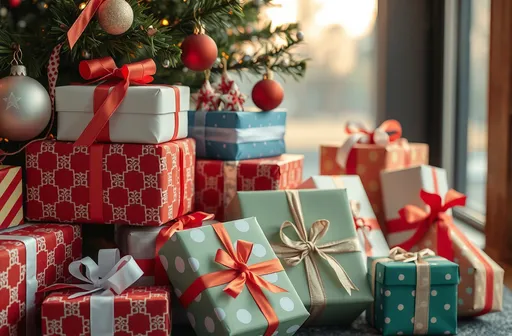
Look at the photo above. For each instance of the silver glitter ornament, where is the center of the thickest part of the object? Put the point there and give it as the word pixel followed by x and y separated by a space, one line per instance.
pixel 166 63
pixel 25 107
pixel 300 36
pixel 86 54
pixel 115 16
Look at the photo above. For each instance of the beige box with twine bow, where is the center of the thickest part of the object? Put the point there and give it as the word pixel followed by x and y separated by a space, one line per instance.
pixel 313 233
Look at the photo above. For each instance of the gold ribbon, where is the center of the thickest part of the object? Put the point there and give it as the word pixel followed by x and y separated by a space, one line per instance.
pixel 422 294
pixel 293 252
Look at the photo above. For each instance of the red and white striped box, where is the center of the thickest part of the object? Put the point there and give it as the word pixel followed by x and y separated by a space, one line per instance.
pixel 11 197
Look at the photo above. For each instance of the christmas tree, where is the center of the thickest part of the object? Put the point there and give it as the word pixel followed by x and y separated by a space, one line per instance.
pixel 156 30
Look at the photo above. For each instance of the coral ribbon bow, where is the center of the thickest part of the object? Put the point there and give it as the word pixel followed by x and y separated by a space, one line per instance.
pixel 361 225
pixel 238 275
pixel 82 21
pixel 422 220
pixel 106 101
pixel 189 221
pixel 388 132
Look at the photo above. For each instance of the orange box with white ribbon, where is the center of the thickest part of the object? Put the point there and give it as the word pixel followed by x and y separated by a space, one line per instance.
pixel 367 152
pixel 11 196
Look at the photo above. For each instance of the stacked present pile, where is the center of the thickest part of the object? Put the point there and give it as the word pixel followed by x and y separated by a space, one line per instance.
pixel 289 253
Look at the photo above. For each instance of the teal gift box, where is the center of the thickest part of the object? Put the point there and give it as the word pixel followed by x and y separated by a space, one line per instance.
pixel 191 259
pixel 413 296
pixel 326 263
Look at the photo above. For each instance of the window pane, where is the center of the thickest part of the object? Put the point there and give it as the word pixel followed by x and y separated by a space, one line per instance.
pixel 340 82
pixel 477 125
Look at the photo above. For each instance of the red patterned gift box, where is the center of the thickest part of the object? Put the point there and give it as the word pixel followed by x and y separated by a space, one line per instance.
pixel 137 311
pixel 11 197
pixel 32 257
pixel 218 181
pixel 133 184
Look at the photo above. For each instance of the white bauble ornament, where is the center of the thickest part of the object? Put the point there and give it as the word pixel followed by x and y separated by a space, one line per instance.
pixel 25 107
pixel 115 16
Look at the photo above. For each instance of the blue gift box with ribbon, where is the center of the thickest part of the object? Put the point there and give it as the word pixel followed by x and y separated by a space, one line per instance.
pixel 415 293
pixel 226 135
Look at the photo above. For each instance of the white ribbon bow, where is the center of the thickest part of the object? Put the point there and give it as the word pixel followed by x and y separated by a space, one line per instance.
pixel 361 134
pixel 111 273
pixel 111 276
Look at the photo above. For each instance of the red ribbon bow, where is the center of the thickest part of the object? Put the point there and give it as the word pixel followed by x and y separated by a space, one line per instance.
pixel 82 21
pixel 106 101
pixel 189 221
pixel 238 275
pixel 417 217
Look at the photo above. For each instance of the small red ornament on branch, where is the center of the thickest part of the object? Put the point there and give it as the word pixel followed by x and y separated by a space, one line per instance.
pixel 267 94
pixel 198 51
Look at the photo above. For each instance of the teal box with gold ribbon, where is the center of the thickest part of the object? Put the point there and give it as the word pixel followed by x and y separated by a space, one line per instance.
pixel 415 293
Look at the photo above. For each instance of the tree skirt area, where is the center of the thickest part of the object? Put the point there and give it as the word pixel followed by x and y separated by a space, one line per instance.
pixel 495 324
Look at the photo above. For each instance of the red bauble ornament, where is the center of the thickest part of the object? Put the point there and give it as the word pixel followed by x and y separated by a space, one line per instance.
pixel 199 52
pixel 14 3
pixel 267 94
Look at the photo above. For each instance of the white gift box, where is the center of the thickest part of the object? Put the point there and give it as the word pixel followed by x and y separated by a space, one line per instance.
pixel 402 187
pixel 356 193
pixel 146 115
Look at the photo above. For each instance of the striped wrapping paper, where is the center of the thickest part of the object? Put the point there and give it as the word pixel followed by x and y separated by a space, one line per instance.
pixel 11 197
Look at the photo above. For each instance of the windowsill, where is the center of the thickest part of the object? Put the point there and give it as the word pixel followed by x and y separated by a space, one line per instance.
pixel 477 237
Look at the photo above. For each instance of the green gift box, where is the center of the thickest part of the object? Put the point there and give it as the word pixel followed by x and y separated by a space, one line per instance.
pixel 414 295
pixel 313 233
pixel 200 257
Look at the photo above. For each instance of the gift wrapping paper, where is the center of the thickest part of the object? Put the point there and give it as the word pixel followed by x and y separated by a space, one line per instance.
pixel 368 229
pixel 481 279
pixel 32 257
pixel 146 185
pixel 190 254
pixel 273 208
pixel 148 114
pixel 395 287
pixel 368 161
pixel 11 196
pixel 137 311
pixel 242 135
pixel 218 181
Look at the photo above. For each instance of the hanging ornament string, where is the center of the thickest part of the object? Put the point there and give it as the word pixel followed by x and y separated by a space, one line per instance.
pixel 53 73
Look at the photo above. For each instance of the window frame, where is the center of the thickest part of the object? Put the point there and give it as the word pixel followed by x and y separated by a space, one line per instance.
pixel 456 107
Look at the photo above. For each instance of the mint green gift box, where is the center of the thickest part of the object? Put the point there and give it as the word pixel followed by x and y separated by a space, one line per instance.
pixel 190 254
pixel 393 312
pixel 272 209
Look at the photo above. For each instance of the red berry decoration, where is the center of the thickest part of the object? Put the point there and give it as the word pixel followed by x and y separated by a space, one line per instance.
pixel 267 94
pixel 199 52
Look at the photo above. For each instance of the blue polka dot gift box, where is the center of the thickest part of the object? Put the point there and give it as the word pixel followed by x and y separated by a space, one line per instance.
pixel 415 293
pixel 231 282
pixel 227 135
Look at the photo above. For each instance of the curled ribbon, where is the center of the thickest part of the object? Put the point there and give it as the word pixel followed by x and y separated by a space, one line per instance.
pixel 189 221
pixel 239 275
pixel 106 101
pixel 293 252
pixel 390 131
pixel 422 220
pixel 112 275
pixel 362 226
pixel 82 21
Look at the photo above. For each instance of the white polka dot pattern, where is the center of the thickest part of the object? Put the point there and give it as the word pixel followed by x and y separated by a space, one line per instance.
pixel 221 314
pixel 209 324
pixel 242 225
pixel 164 262
pixel 194 264
pixel 287 304
pixel 259 251
pixel 179 264
pixel 244 316
pixel 197 235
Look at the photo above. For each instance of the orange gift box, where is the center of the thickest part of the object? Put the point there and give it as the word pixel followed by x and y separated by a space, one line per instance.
pixel 366 153
pixel 11 197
